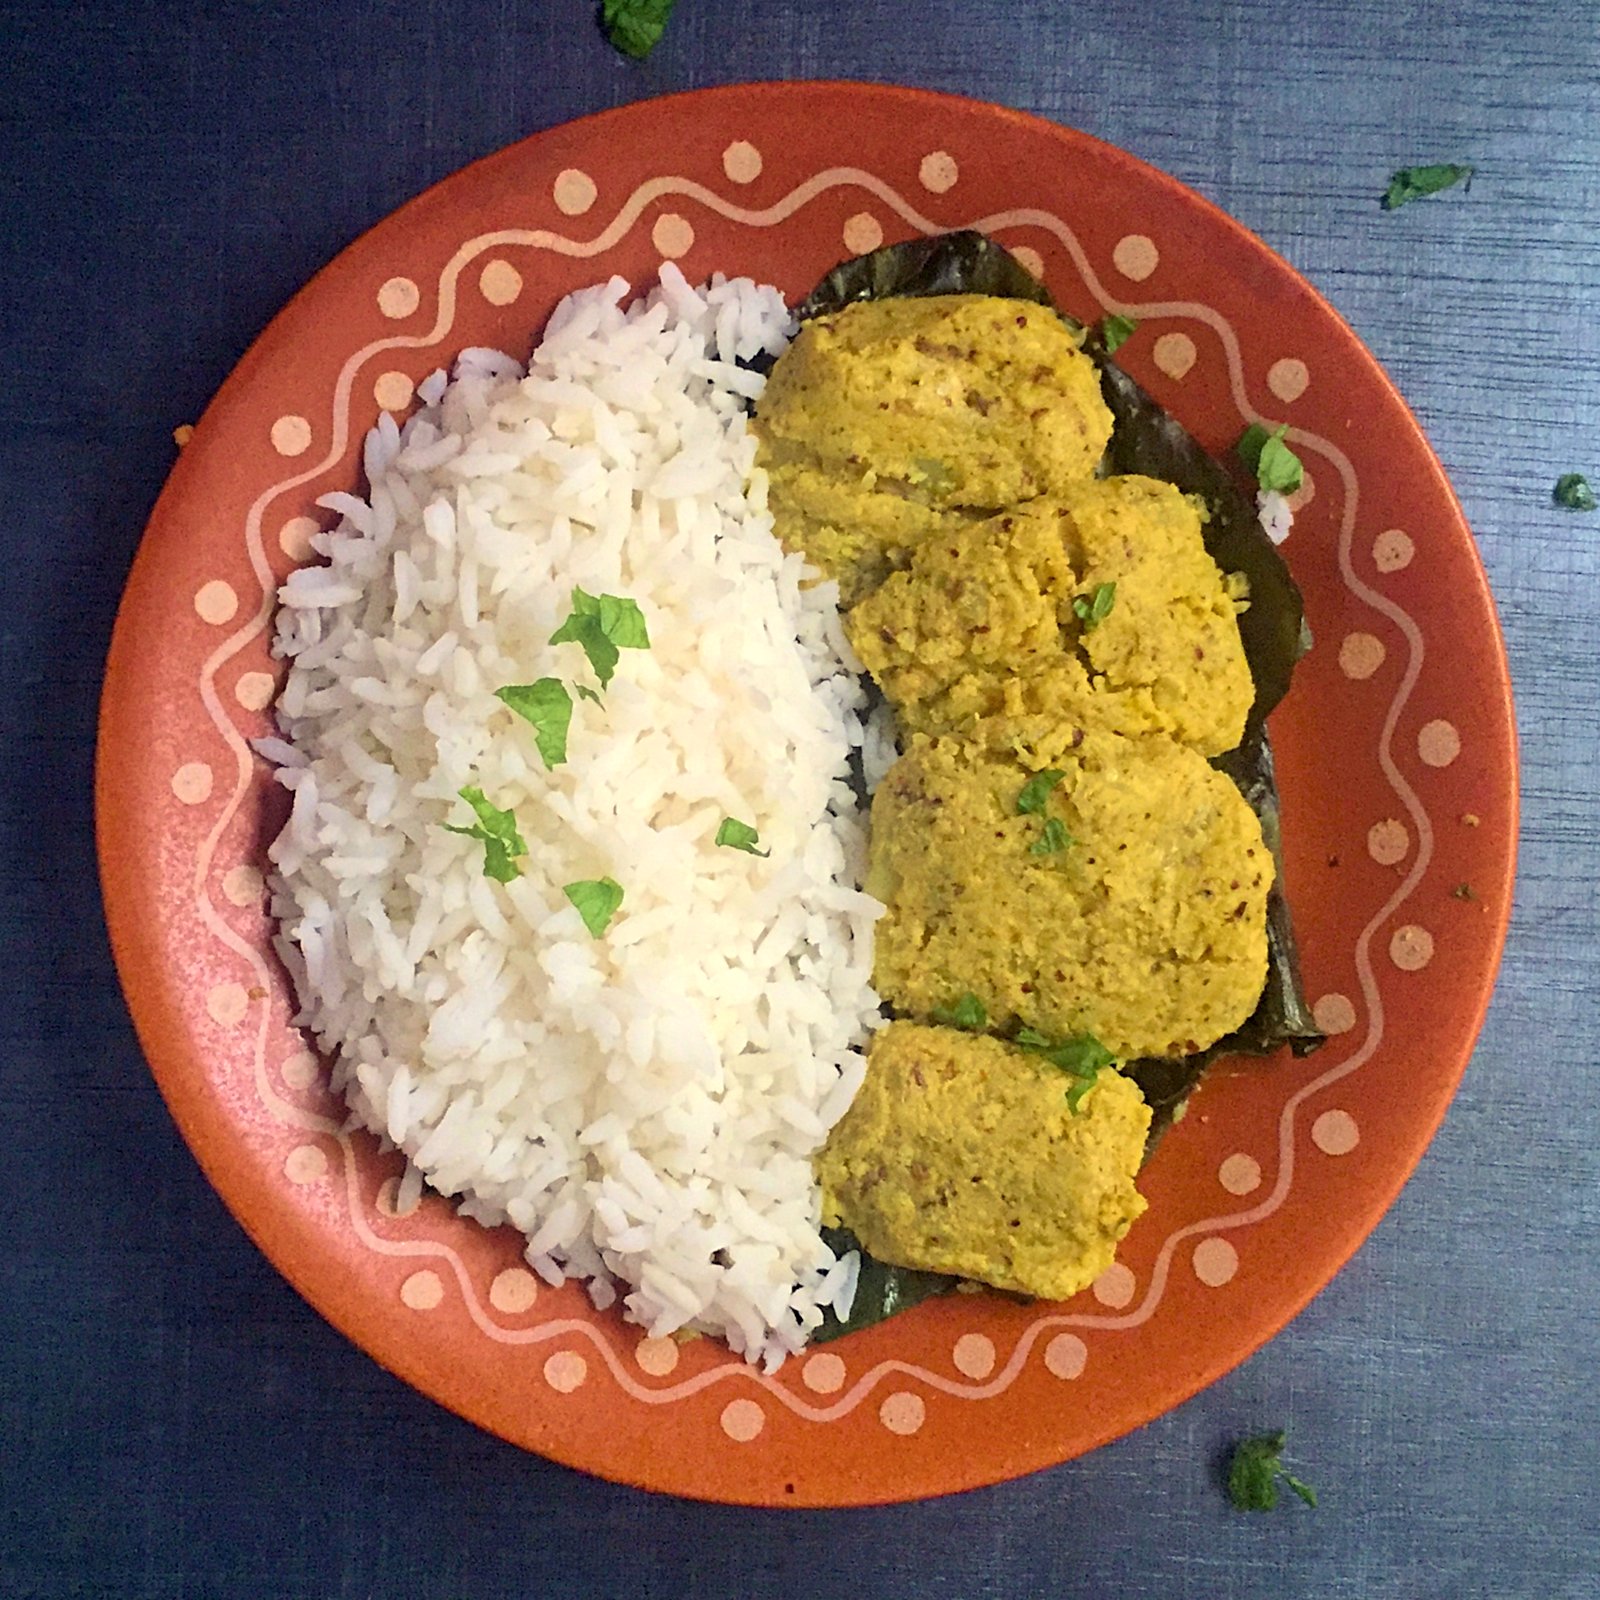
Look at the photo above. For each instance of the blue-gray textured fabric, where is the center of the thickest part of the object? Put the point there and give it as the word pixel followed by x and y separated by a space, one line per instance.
pixel 176 1421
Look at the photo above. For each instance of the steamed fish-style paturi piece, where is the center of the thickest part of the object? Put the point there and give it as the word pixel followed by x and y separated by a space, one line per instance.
pixel 974 607
pixel 964 399
pixel 953 402
pixel 960 1154
pixel 1143 922
pixel 1100 606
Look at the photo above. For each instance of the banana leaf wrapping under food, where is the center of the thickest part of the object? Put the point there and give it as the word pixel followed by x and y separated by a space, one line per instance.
pixel 1145 439
pixel 881 1290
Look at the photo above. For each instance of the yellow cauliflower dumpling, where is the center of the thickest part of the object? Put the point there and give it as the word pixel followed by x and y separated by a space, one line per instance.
pixel 1145 925
pixel 961 1154
pixel 997 617
pixel 954 403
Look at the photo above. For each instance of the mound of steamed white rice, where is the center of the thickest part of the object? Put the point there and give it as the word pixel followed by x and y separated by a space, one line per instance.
pixel 644 1104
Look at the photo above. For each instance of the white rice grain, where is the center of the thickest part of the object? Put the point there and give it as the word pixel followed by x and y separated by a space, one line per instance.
pixel 643 1106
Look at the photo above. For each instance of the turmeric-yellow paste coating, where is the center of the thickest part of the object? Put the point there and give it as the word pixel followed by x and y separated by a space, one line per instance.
pixel 1147 929
pixel 960 1154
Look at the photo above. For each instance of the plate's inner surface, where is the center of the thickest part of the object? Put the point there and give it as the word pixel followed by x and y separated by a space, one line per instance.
pixel 1395 756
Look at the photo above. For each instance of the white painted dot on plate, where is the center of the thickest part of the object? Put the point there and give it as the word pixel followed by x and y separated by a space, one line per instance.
pixel 862 232
pixel 499 283
pixel 974 1355
pixel 306 1164
pixel 1114 1287
pixel 1335 1133
pixel 823 1374
pixel 742 161
pixel 1029 259
pixel 938 171
pixel 1334 1014
pixel 573 192
pixel 243 885
pixel 254 690
pixel 216 603
pixel 565 1371
pixel 1392 550
pixel 1388 841
pixel 1135 256
pixel 294 537
pixel 1438 743
pixel 1360 655
pixel 422 1291
pixel 191 783
pixel 1174 354
pixel 742 1420
pixel 656 1356
pixel 393 390
pixel 398 297
pixel 1411 948
pixel 227 1003
pixel 902 1412
pixel 1288 378
pixel 299 1071
pixel 513 1291
pixel 291 436
pixel 1215 1262
pixel 1240 1174
pixel 672 235
pixel 1065 1356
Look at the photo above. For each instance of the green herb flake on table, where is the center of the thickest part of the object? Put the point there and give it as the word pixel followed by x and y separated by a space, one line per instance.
pixel 635 26
pixel 1254 1471
pixel 1413 183
pixel 1572 492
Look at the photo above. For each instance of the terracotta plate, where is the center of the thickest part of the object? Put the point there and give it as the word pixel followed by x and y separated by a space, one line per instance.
pixel 1396 754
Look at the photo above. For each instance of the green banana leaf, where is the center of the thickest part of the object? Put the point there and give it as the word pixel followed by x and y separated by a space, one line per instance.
pixel 1145 439
pixel 881 1290
pixel 948 263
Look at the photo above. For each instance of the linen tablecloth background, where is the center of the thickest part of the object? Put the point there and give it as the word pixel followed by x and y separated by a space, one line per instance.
pixel 176 1421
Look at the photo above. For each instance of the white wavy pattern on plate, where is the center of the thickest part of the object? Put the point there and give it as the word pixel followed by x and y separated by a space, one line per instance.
pixel 734 1371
